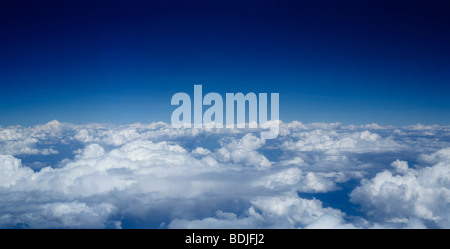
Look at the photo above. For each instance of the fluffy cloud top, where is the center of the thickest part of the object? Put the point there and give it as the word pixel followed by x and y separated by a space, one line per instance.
pixel 95 176
pixel 423 193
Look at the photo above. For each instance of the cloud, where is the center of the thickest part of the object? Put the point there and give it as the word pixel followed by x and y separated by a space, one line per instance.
pixel 61 215
pixel 438 156
pixel 327 221
pixel 286 211
pixel 422 193
pixel 222 220
pixel 401 166
pixel 291 211
pixel 12 171
pixel 96 175
pixel 17 140
pixel 244 151
pixel 333 142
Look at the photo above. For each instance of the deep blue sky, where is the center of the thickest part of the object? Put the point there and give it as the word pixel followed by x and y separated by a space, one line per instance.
pixel 120 62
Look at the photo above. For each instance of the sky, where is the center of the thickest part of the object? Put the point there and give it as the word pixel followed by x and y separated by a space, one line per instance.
pixel 354 62
pixel 86 139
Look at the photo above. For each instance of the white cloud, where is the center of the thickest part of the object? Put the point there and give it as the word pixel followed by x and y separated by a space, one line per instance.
pixel 414 194
pixel 286 211
pixel 61 215
pixel 11 171
pixel 440 155
pixel 244 151
pixel 334 141
pixel 223 220
pixel 17 140
pixel 327 221
pixel 222 178
pixel 291 211
pixel 401 167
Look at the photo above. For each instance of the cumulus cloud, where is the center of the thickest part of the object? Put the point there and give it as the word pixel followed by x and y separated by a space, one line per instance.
pixel 244 151
pixel 18 140
pixel 438 156
pixel 327 221
pixel 95 175
pixel 12 171
pixel 401 166
pixel 332 142
pixel 286 211
pixel 61 215
pixel 409 195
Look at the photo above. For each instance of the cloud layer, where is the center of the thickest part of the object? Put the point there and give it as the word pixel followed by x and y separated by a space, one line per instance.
pixel 61 175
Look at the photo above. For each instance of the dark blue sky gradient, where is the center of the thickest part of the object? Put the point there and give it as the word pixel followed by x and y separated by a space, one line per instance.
pixel 120 62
